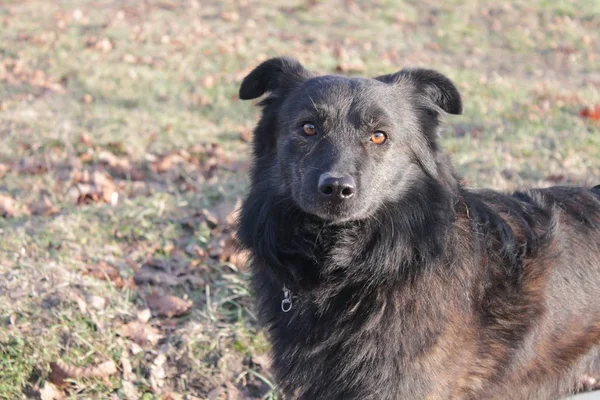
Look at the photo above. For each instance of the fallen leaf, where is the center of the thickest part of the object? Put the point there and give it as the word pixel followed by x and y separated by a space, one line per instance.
pixel 80 303
pixel 135 348
pixel 215 393
pixel 153 276
pixel 348 63
pixel 171 272
pixel 239 259
pixel 208 81
pixel 104 45
pixel 166 162
pixel 263 361
pixel 232 392
pixel 106 272
pixel 85 139
pixel 126 366
pixel 167 305
pixel 4 168
pixel 144 315
pixel 140 333
pixel 173 396
pixel 592 113
pixel 97 302
pixel 32 166
pixel 211 218
pixel 9 209
pixel 93 186
pixel 43 207
pixel 230 16
pixel 556 178
pixel 157 372
pixel 51 392
pixel 131 392
pixel 246 135
pixel 61 371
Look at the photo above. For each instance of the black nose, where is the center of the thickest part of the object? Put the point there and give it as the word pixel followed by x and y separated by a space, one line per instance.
pixel 338 187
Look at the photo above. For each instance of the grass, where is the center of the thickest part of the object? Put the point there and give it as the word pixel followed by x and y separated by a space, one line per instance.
pixel 146 80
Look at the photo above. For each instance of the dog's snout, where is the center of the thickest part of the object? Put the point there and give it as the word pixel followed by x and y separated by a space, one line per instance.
pixel 338 187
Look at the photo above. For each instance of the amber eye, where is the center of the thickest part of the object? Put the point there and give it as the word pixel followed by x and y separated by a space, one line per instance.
pixel 309 129
pixel 378 137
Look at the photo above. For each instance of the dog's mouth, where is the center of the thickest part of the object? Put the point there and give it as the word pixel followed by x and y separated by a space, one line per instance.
pixel 333 213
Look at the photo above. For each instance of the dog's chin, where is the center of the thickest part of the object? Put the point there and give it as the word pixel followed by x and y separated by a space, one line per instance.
pixel 333 215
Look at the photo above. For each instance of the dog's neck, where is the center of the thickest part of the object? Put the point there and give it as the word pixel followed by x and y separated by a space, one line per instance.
pixel 336 254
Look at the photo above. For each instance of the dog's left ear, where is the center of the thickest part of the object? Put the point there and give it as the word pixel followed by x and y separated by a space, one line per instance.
pixel 435 86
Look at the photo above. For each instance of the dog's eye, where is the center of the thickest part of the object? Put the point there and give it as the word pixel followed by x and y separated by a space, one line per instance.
pixel 309 129
pixel 378 137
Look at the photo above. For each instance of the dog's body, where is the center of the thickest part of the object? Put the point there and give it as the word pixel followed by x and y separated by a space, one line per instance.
pixel 402 283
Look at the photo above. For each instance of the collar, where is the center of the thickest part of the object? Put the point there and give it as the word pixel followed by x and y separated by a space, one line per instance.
pixel 286 303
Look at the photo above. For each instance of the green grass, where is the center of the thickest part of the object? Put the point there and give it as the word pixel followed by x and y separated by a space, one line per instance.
pixel 145 79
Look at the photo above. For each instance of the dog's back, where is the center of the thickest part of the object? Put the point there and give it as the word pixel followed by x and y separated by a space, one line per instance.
pixel 556 232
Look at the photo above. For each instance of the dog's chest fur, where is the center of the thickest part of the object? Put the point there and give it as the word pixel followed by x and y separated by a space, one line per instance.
pixel 367 336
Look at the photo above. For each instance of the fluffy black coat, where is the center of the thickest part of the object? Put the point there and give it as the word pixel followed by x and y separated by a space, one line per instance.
pixel 422 290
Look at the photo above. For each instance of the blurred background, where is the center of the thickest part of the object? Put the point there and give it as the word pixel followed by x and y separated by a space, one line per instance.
pixel 124 151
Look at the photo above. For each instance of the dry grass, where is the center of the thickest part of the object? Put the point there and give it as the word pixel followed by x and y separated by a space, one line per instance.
pixel 124 91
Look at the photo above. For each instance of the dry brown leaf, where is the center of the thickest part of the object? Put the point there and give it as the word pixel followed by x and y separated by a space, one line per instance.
pixel 109 158
pixel 9 209
pixel 239 259
pixel 93 186
pixel 104 45
pixel 173 396
pixel 167 305
pixel 32 166
pixel 4 168
pixel 556 178
pixel 152 276
pixel 229 16
pixel 86 157
pixel 166 162
pixel 62 371
pixel 51 392
pixel 208 81
pixel 126 366
pixel 215 393
pixel 246 135
pixel 157 372
pixel 44 207
pixel 131 392
pixel 592 112
pixel 140 333
pixel 211 218
pixel 105 272
pixel 85 139
pixel 233 393
pixel 144 315
pixel 97 302
pixel 348 63
pixel 263 361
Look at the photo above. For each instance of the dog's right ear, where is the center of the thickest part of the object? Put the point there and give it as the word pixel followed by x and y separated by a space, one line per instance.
pixel 272 75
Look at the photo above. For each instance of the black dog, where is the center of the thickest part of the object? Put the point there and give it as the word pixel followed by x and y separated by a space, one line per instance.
pixel 379 276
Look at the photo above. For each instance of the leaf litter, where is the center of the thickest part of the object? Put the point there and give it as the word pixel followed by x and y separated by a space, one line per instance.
pixel 61 371
pixel 167 305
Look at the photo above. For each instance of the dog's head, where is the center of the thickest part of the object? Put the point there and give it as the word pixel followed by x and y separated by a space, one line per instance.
pixel 343 147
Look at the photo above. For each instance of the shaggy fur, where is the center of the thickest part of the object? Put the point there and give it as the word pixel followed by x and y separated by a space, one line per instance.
pixel 418 288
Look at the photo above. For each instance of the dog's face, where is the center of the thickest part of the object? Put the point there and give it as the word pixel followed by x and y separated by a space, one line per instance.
pixel 343 147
